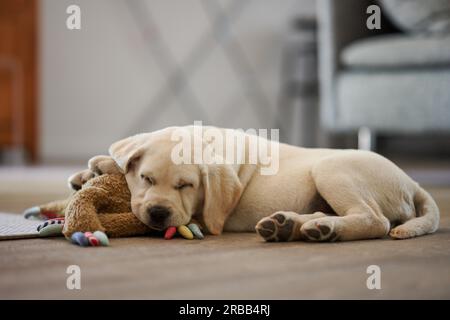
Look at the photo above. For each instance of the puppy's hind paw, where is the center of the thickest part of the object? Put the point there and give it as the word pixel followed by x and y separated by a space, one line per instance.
pixel 277 227
pixel 319 231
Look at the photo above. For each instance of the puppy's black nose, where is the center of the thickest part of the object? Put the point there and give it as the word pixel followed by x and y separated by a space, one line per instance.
pixel 158 214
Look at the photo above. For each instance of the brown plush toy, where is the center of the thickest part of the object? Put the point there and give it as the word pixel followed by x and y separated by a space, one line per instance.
pixel 102 204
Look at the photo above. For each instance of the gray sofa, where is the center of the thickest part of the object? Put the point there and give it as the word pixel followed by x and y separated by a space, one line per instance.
pixel 380 81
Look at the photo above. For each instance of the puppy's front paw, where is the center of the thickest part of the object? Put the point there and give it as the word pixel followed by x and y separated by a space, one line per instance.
pixel 103 165
pixel 77 180
pixel 402 233
pixel 321 230
pixel 278 227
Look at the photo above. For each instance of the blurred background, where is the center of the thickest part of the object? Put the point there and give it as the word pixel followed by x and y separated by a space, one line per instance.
pixel 327 73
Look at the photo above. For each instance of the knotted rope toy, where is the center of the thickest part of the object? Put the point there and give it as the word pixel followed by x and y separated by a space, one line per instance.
pixel 100 209
pixel 54 227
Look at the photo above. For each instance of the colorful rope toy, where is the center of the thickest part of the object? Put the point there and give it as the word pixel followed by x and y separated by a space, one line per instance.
pixel 86 239
pixel 36 213
pixel 53 227
pixel 189 232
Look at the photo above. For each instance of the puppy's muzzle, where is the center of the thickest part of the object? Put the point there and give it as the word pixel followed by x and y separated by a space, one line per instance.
pixel 158 216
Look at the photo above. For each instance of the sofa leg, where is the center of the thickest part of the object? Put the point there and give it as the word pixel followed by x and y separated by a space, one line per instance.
pixel 366 139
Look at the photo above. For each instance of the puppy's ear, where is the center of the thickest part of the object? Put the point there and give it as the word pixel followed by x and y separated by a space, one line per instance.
pixel 125 151
pixel 222 192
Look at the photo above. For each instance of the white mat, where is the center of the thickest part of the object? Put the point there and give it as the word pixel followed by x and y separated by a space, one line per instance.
pixel 14 226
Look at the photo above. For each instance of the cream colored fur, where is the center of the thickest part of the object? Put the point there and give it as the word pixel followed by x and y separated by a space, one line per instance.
pixel 317 194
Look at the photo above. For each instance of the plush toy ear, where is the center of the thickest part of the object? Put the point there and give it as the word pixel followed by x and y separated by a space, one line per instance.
pixel 125 151
pixel 222 192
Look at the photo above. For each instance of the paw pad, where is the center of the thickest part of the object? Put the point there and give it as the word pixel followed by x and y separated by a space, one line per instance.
pixel 276 228
pixel 320 231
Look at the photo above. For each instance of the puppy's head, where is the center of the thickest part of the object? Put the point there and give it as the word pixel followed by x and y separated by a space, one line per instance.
pixel 167 194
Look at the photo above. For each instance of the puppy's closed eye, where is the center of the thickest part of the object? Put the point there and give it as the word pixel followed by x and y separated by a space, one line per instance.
pixel 183 185
pixel 149 180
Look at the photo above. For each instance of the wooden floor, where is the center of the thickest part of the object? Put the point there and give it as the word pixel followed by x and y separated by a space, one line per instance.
pixel 239 266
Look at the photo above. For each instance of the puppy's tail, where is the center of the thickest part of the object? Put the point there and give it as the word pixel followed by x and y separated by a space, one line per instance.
pixel 426 220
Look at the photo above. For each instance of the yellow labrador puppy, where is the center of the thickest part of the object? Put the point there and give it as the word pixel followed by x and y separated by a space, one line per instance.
pixel 315 194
